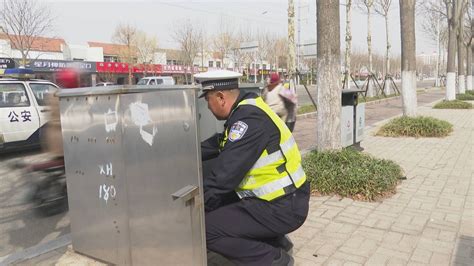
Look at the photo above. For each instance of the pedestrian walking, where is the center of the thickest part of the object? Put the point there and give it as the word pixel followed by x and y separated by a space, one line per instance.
pixel 281 99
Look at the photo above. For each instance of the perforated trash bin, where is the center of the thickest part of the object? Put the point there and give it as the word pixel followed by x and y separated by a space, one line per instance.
pixel 352 118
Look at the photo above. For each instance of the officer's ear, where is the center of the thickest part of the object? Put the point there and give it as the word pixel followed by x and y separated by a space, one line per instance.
pixel 220 95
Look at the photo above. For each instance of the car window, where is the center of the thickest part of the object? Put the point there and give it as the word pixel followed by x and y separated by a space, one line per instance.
pixel 142 82
pixel 152 82
pixel 41 92
pixel 159 81
pixel 13 95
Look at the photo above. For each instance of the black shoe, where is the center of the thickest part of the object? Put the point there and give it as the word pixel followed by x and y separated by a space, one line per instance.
pixel 284 260
pixel 283 242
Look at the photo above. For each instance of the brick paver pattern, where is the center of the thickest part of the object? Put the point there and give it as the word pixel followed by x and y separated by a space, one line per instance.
pixel 428 221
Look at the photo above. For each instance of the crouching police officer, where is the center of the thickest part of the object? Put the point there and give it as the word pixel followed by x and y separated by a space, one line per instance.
pixel 256 191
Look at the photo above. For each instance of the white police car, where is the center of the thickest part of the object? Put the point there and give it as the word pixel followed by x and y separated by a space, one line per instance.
pixel 23 108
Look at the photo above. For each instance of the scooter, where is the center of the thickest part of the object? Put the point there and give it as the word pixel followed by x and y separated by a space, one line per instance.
pixel 49 191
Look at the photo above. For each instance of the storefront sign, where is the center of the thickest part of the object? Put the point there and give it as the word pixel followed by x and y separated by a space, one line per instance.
pixel 177 69
pixel 55 65
pixel 111 67
pixel 122 68
pixel 150 68
pixel 7 63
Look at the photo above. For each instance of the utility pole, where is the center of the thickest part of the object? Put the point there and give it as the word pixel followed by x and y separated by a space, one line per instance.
pixel 291 41
pixel 298 44
pixel 348 44
pixel 438 47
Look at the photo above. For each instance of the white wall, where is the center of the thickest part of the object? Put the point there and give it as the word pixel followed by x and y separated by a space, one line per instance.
pixel 5 49
pixel 160 58
pixel 86 53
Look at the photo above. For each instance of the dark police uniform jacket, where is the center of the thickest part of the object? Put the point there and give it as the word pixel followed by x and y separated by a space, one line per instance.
pixel 237 157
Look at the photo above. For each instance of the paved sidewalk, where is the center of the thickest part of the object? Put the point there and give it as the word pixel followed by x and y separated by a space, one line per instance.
pixel 430 220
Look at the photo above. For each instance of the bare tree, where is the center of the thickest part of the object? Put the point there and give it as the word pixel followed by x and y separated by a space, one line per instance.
pixel 146 47
pixel 126 35
pixel 368 5
pixel 347 60
pixel 469 33
pixel 189 37
pixel 453 11
pixel 461 48
pixel 435 27
pixel 407 30
pixel 328 135
pixel 280 49
pixel 236 54
pixel 291 68
pixel 223 41
pixel 382 7
pixel 23 21
pixel 266 47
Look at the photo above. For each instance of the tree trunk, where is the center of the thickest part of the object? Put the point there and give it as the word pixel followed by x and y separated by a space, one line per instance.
pixel 370 89
pixel 348 44
pixel 461 55
pixel 388 90
pixel 451 64
pixel 407 30
pixel 328 128
pixel 469 67
pixel 291 40
pixel 438 51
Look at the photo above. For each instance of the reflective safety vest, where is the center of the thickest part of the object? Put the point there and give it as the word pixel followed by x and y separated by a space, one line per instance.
pixel 278 173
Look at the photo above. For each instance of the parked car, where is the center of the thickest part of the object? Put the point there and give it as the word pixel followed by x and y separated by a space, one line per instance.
pixel 103 84
pixel 160 80
pixel 23 109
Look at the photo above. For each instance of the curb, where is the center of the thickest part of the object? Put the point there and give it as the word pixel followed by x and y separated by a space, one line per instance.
pixel 37 250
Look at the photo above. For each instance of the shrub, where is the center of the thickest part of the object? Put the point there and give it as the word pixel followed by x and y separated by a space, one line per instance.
pixel 470 92
pixel 415 127
pixel 454 104
pixel 349 173
pixel 465 97
pixel 306 109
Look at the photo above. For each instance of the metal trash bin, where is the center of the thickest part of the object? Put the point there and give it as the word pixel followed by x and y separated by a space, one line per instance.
pixel 352 118
pixel 133 171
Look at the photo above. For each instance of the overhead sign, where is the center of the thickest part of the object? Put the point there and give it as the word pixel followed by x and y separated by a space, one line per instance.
pixel 249 46
pixel 7 63
pixel 310 49
pixel 55 65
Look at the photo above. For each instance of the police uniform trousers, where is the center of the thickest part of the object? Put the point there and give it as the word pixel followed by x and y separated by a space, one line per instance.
pixel 242 231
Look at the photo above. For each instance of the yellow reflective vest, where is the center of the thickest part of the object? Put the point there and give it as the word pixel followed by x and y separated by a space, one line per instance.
pixel 276 174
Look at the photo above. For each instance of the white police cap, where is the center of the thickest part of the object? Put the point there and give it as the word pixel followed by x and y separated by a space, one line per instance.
pixel 218 80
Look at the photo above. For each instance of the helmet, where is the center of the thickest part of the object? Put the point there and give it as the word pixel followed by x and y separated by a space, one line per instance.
pixel 67 78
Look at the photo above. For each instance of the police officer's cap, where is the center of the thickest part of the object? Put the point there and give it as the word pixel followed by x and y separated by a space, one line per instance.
pixel 218 80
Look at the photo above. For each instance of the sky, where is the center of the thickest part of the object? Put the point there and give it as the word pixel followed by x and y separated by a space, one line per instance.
pixel 80 21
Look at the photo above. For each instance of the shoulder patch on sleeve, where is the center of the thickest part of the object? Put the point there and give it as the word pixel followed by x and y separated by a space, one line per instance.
pixel 237 131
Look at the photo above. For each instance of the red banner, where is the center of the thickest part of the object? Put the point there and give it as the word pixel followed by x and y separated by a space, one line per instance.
pixel 156 69
pixel 112 67
pixel 116 67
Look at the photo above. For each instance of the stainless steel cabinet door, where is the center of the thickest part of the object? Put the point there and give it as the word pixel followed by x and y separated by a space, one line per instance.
pixel 163 178
pixel 95 177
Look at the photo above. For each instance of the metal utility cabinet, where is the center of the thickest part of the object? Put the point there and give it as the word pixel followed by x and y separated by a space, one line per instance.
pixel 133 168
pixel 352 118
